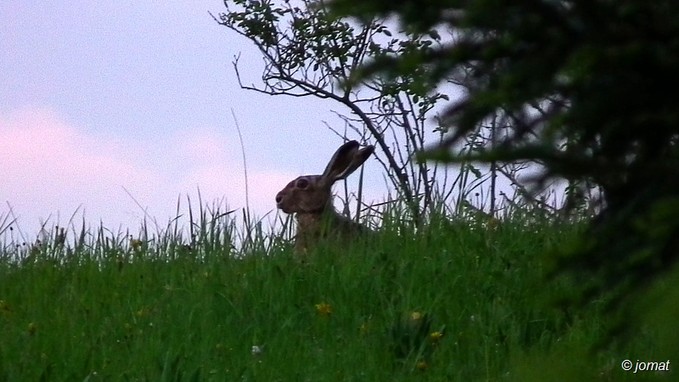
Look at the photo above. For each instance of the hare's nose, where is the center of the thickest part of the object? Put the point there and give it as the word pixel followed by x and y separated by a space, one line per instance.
pixel 279 197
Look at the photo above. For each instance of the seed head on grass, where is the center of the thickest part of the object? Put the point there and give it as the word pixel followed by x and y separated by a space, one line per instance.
pixel 135 244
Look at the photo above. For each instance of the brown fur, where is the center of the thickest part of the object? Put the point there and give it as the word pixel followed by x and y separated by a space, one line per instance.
pixel 310 198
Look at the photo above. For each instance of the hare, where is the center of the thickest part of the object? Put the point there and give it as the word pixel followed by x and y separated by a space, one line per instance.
pixel 310 198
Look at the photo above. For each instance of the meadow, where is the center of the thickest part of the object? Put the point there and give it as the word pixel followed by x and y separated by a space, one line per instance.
pixel 460 299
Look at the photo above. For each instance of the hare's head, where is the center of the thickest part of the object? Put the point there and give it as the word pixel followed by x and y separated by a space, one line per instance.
pixel 313 193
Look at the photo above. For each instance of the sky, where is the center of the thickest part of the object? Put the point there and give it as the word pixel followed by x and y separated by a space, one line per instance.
pixel 112 111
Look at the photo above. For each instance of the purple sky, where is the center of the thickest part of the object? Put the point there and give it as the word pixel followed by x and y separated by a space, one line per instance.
pixel 99 97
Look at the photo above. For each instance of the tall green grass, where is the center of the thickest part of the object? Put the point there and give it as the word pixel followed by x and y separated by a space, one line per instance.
pixel 458 300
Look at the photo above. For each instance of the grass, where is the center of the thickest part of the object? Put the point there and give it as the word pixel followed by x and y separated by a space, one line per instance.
pixel 459 301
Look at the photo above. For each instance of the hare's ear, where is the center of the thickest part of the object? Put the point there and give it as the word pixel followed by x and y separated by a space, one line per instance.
pixel 346 160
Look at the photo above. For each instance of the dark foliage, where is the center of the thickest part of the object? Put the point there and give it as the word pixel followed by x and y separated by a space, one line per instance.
pixel 591 89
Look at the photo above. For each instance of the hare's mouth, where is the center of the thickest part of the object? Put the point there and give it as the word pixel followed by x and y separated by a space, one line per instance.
pixel 284 208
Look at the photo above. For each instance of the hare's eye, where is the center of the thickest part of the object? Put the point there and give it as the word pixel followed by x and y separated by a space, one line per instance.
pixel 302 183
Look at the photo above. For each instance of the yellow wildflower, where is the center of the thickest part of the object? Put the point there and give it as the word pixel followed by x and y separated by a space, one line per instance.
pixel 4 307
pixel 435 336
pixel 324 309
pixel 422 365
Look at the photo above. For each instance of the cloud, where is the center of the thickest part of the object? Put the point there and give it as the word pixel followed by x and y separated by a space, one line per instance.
pixel 51 168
